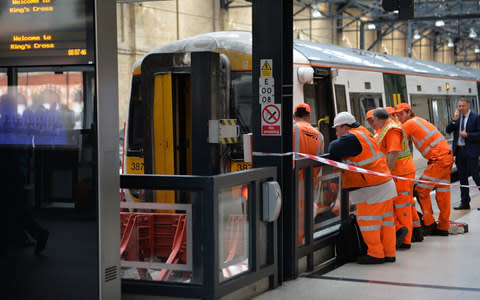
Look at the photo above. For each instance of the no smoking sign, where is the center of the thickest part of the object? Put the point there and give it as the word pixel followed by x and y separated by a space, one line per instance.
pixel 272 119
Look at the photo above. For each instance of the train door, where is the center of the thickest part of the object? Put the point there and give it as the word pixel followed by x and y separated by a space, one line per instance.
pixel 171 121
pixel 395 89
pixel 319 96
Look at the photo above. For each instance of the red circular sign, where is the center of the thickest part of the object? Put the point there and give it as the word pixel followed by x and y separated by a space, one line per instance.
pixel 271 114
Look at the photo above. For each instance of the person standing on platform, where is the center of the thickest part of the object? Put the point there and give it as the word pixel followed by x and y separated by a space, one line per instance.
pixel 466 147
pixel 306 139
pixel 434 147
pixel 394 144
pixel 372 194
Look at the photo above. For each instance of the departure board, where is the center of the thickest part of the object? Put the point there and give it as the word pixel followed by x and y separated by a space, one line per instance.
pixel 46 32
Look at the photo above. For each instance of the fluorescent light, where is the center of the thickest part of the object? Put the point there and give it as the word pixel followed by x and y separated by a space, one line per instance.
pixel 371 26
pixel 416 35
pixel 472 34
pixel 316 13
pixel 477 49
pixel 450 43
pixel 439 23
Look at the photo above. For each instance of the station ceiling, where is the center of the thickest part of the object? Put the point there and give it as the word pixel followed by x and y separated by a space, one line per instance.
pixel 452 23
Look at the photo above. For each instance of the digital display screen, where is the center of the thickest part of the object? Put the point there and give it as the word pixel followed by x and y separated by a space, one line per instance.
pixel 46 32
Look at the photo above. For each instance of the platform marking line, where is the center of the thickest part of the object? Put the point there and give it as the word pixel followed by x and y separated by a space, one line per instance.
pixel 429 286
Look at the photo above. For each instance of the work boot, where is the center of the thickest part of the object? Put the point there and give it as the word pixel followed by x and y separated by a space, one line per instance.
pixel 417 235
pixel 440 232
pixel 401 234
pixel 405 246
pixel 369 260
pixel 390 259
pixel 429 229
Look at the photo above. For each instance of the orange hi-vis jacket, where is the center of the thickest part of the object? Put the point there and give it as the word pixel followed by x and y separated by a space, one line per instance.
pixel 307 139
pixel 371 158
pixel 393 138
pixel 427 139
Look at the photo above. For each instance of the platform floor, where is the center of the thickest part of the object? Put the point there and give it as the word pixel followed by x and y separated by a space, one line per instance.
pixel 437 268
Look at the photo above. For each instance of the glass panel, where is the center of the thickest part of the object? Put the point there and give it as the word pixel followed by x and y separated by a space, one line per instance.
pixel 44 109
pixel 361 103
pixel 158 241
pixel 301 206
pixel 241 96
pixel 49 149
pixel 421 107
pixel 309 98
pixel 341 97
pixel 326 197
pixel 233 231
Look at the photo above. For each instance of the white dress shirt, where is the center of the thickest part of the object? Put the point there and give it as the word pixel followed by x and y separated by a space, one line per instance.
pixel 461 140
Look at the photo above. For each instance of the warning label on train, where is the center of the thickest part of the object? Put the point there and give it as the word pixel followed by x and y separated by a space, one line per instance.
pixel 271 119
pixel 266 68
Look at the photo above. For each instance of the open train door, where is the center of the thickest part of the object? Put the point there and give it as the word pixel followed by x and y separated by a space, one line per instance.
pixel 181 92
pixel 320 98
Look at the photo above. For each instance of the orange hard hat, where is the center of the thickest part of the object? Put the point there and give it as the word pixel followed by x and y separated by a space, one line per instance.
pixel 369 114
pixel 402 106
pixel 305 106
pixel 390 110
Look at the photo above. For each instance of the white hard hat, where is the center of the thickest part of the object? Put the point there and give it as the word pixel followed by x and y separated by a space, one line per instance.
pixel 343 118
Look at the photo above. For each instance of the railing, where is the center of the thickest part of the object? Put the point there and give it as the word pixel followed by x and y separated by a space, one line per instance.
pixel 223 245
pixel 318 198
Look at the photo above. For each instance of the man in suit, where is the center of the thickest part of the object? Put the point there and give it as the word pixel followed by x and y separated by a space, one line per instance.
pixel 466 146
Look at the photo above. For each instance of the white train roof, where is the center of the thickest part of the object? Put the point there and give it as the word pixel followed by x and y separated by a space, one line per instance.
pixel 323 55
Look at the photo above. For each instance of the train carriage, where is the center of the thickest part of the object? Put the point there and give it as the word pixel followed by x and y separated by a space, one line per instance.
pixel 329 78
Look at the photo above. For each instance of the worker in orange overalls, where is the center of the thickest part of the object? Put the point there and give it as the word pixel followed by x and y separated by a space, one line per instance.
pixel 434 147
pixel 417 235
pixel 372 194
pixel 308 140
pixel 394 144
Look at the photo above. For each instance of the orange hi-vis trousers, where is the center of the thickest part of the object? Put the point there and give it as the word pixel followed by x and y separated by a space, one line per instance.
pixel 439 172
pixel 402 206
pixel 415 217
pixel 377 225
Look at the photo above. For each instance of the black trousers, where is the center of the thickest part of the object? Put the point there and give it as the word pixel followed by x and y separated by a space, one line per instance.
pixel 467 165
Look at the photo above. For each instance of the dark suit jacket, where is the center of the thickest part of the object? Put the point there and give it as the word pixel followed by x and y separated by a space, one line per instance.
pixel 472 142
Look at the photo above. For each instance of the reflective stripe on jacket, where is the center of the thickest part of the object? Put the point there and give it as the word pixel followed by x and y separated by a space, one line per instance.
pixel 307 139
pixel 427 139
pixel 371 158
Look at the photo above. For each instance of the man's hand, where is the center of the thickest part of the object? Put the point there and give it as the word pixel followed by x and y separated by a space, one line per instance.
pixel 463 134
pixel 456 115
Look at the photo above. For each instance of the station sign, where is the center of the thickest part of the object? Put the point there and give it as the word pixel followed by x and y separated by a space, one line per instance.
pixel 271 119
pixel 46 32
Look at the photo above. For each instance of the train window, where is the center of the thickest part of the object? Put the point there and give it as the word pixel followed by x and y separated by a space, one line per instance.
pixel 309 98
pixel 135 134
pixel 361 103
pixel 440 114
pixel 241 95
pixel 420 106
pixel 341 98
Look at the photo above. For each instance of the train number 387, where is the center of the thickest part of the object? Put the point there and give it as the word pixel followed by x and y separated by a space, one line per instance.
pixel 137 166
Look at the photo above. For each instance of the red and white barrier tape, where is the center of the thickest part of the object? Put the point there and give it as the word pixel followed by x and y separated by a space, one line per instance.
pixel 357 169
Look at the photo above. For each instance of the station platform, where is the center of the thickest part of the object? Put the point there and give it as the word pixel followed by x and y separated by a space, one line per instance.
pixel 437 268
